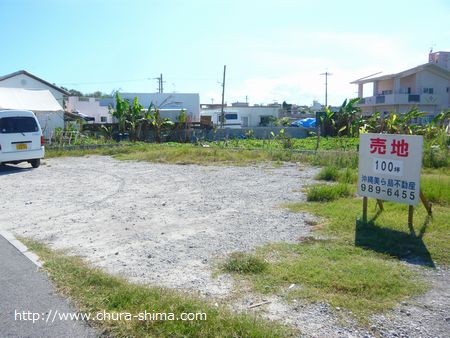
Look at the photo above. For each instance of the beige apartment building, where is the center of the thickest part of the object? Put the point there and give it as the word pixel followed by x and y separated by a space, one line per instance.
pixel 425 87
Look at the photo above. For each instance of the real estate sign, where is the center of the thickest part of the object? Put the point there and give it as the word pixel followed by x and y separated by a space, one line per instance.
pixel 389 167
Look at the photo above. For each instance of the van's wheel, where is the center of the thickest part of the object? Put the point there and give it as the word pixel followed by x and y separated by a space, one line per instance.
pixel 35 163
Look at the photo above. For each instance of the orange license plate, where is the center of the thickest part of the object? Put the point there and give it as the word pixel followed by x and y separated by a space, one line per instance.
pixel 21 146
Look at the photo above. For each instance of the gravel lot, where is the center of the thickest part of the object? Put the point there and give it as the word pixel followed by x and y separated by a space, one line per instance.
pixel 154 223
pixel 168 225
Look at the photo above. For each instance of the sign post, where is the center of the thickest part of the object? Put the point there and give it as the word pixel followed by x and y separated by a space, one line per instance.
pixel 389 170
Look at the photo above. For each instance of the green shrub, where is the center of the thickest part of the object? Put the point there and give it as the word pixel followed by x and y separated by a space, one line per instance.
pixel 241 262
pixel 435 157
pixel 325 192
pixel 328 174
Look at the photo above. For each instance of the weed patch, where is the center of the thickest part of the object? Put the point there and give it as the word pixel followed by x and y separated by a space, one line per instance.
pixel 241 262
pixel 328 174
pixel 342 275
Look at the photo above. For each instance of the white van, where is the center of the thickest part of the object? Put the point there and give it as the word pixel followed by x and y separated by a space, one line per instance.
pixel 232 119
pixel 21 138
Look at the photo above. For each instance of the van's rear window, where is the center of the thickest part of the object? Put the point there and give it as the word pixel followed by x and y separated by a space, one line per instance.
pixel 18 124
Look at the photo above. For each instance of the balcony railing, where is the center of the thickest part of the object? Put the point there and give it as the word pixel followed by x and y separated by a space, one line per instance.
pixel 400 99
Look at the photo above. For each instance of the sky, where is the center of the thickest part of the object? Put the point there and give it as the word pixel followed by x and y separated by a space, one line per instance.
pixel 274 50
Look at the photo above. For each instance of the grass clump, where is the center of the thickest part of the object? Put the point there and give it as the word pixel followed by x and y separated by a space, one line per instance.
pixel 332 173
pixel 342 275
pixel 244 263
pixel 327 192
pixel 328 174
pixel 436 188
pixel 94 291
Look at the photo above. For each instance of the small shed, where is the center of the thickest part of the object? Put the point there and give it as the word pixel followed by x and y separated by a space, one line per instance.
pixel 44 105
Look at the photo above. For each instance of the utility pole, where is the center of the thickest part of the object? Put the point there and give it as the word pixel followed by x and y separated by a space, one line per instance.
pixel 160 83
pixel 222 113
pixel 326 87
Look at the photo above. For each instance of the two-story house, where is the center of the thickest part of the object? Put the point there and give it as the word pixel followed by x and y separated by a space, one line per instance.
pixel 425 87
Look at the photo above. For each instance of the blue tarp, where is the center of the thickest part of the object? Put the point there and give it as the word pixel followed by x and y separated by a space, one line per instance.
pixel 309 122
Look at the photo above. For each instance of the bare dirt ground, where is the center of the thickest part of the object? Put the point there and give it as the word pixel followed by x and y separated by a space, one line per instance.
pixel 167 225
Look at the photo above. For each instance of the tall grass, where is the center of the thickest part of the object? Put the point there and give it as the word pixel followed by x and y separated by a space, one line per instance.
pixel 436 188
pixel 327 192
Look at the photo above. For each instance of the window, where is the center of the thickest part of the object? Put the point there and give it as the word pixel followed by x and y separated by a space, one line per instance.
pixel 18 124
pixel 103 119
pixel 428 90
pixel 231 116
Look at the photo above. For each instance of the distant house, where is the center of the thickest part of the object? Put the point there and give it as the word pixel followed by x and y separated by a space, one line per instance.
pixel 91 107
pixel 23 79
pixel 425 87
pixel 249 116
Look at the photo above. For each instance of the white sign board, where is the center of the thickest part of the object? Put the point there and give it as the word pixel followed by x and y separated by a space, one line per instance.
pixel 389 167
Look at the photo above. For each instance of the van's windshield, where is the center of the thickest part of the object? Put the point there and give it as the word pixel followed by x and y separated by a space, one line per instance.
pixel 18 124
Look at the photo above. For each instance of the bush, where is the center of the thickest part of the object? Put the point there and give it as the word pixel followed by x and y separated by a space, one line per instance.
pixel 325 192
pixel 241 262
pixel 328 174
pixel 435 157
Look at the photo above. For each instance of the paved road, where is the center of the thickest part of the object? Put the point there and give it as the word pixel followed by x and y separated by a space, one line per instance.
pixel 24 288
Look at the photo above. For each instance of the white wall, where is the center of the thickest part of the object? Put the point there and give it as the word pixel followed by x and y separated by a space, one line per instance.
pixel 49 121
pixel 429 79
pixel 25 82
pixel 169 101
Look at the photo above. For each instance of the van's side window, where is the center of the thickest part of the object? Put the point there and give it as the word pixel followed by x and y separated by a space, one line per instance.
pixel 18 124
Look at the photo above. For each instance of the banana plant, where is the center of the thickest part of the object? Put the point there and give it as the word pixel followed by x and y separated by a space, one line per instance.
pixel 157 121
pixel 120 112
pixel 134 118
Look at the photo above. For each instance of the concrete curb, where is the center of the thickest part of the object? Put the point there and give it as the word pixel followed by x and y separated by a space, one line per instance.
pixel 21 247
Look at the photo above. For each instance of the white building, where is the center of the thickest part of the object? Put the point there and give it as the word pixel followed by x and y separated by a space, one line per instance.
pixel 170 104
pixel 425 87
pixel 89 106
pixel 24 80
pixel 249 116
